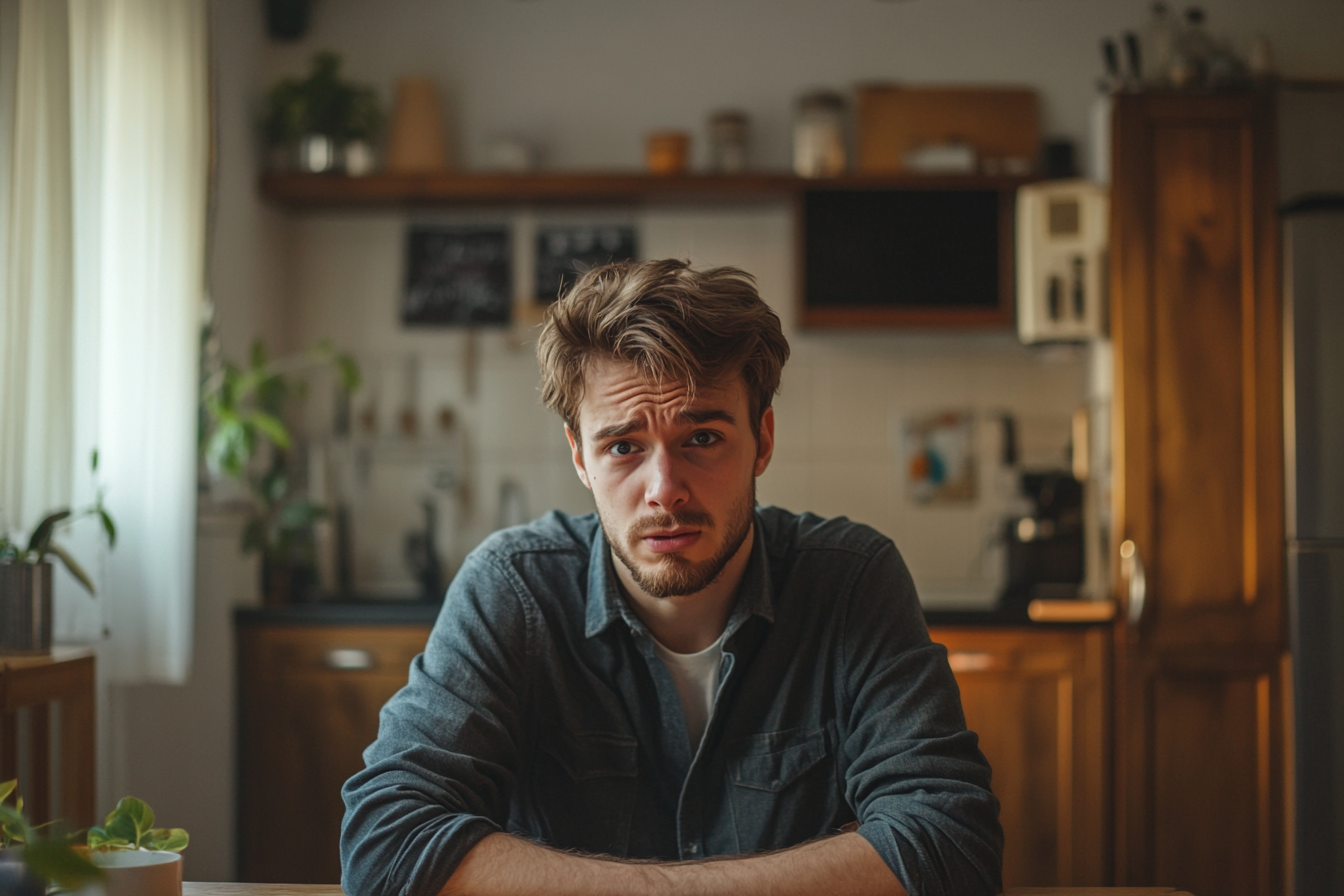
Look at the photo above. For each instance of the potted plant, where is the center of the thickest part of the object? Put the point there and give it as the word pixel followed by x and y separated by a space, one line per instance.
pixel 25 575
pixel 127 856
pixel 321 117
pixel 244 437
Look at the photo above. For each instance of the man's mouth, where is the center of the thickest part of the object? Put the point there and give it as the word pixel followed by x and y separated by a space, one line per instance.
pixel 671 541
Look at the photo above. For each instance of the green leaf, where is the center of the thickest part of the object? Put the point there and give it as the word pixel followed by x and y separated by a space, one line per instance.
pixel 168 839
pixel 60 864
pixel 13 826
pixel 99 838
pixel 270 427
pixel 108 526
pixel 93 461
pixel 299 515
pixel 6 788
pixel 349 371
pixel 41 538
pixel 130 820
pixel 257 356
pixel 75 569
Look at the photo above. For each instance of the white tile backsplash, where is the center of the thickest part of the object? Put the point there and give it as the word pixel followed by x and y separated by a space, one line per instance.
pixel 838 413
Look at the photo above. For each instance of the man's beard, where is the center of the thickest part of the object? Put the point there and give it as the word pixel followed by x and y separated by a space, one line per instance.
pixel 674 576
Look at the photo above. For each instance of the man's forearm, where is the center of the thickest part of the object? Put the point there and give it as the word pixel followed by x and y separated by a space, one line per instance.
pixel 504 865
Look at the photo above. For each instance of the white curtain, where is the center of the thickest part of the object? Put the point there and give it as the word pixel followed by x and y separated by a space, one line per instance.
pixel 105 208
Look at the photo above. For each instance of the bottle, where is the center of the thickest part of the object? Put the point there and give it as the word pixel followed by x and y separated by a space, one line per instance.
pixel 1194 48
pixel 1159 42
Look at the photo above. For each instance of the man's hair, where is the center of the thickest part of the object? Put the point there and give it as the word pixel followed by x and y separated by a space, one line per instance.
pixel 698 328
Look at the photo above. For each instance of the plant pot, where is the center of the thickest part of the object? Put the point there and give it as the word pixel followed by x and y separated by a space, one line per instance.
pixel 25 608
pixel 137 872
pixel 15 878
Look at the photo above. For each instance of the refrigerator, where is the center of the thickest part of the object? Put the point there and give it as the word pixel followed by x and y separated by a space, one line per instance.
pixel 1311 132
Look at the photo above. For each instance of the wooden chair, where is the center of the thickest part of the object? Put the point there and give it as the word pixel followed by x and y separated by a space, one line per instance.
pixel 64 677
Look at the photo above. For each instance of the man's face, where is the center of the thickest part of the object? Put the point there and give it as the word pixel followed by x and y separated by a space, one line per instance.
pixel 674 483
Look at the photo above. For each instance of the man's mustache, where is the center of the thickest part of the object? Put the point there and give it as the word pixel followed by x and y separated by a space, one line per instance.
pixel 695 518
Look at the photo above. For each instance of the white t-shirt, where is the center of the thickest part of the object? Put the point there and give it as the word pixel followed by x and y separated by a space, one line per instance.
pixel 696 676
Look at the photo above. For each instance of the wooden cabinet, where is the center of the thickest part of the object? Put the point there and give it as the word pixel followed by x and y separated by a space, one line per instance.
pixel 309 697
pixel 1038 699
pixel 1198 492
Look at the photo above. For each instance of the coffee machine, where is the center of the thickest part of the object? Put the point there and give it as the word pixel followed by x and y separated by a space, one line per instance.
pixel 1045 545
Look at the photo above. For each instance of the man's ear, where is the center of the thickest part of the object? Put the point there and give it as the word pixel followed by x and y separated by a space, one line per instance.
pixel 576 450
pixel 765 441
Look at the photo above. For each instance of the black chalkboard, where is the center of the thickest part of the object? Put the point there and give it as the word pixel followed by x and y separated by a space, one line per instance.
pixel 457 276
pixel 566 252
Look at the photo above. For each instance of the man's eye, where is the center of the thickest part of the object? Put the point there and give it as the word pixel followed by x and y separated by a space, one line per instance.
pixel 620 449
pixel 703 439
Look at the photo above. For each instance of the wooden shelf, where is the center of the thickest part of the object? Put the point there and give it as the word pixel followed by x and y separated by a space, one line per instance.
pixel 314 191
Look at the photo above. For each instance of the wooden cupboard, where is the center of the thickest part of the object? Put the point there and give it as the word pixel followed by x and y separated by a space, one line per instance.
pixel 308 702
pixel 1039 700
pixel 1198 494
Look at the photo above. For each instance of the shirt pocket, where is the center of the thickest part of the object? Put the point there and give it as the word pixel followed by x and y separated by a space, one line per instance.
pixel 585 784
pixel 782 788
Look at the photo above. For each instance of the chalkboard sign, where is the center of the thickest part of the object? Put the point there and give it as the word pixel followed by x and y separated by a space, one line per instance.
pixel 564 253
pixel 457 276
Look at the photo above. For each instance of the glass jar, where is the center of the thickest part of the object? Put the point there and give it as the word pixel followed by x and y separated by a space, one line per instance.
pixel 819 135
pixel 728 138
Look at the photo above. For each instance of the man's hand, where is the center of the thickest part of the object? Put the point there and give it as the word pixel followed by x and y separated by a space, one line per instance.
pixel 504 865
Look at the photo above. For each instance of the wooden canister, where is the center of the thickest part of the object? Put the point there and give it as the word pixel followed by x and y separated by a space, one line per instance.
pixel 416 142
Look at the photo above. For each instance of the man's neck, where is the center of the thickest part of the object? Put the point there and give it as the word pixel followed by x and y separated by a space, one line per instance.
pixel 689 623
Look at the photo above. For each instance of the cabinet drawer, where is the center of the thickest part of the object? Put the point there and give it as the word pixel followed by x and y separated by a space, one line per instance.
pixel 269 652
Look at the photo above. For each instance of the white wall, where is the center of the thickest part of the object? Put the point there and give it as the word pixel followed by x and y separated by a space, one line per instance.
pixel 585 79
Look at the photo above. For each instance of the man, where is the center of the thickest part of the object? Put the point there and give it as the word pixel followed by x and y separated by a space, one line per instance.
pixel 683 676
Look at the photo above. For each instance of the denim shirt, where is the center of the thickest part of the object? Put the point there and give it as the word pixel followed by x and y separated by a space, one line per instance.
pixel 539 707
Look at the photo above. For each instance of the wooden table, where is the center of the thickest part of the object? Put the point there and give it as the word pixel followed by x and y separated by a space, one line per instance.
pixel 199 889
pixel 33 683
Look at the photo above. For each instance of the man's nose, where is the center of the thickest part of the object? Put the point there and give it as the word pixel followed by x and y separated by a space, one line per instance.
pixel 666 487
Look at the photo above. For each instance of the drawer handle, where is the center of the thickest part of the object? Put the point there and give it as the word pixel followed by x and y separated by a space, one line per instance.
pixel 969 660
pixel 350 659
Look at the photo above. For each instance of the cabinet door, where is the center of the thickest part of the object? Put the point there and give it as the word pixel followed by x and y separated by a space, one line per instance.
pixel 1038 701
pixel 309 698
pixel 1198 460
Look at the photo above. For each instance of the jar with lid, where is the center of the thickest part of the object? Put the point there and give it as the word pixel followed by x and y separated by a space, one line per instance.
pixel 819 135
pixel 728 138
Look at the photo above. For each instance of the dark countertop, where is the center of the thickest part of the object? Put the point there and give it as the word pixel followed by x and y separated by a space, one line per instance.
pixel 397 612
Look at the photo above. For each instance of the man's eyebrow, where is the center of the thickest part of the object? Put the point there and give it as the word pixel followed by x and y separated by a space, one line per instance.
pixel 633 426
pixel 620 429
pixel 707 416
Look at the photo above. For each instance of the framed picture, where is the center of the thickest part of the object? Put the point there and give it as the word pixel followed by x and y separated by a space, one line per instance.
pixel 939 454
pixel 565 252
pixel 457 276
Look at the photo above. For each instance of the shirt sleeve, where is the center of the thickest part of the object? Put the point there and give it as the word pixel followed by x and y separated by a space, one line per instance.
pixel 440 776
pixel 917 779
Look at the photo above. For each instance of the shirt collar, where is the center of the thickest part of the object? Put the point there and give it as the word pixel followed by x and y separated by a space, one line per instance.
pixel 606 604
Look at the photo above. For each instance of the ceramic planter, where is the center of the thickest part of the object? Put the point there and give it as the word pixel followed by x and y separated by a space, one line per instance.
pixel 137 872
pixel 25 608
